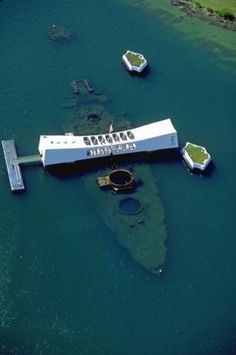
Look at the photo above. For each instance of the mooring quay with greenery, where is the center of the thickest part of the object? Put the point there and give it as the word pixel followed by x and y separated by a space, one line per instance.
pixel 196 156
pixel 134 62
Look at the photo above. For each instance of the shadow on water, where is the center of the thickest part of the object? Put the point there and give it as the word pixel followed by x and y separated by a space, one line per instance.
pixel 146 71
pixel 208 172
pixel 71 170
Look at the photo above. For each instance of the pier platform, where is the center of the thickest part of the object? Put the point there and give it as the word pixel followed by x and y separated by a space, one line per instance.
pixel 13 168
pixel 13 164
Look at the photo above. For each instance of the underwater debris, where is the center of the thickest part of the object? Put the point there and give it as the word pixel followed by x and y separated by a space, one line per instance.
pixel 59 33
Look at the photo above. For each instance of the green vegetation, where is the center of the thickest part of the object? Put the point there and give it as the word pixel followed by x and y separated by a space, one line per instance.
pixel 226 8
pixel 197 153
pixel 135 58
pixel 197 33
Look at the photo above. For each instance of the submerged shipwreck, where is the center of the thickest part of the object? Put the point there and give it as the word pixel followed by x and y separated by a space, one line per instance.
pixel 120 180
pixel 136 217
pixel 134 210
pixel 59 33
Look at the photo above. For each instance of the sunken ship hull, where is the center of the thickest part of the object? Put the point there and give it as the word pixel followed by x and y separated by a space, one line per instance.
pixel 142 234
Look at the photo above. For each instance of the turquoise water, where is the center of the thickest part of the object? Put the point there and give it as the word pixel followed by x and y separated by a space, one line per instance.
pixel 66 286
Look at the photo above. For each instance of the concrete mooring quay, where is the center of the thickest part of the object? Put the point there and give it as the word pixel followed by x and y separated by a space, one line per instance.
pixel 13 164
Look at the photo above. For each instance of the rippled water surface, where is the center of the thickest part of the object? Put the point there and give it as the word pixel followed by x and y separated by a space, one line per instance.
pixel 66 285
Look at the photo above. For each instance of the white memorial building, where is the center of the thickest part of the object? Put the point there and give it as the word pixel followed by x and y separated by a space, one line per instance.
pixel 70 149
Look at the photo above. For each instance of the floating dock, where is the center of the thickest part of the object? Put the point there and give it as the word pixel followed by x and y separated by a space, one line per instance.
pixel 13 164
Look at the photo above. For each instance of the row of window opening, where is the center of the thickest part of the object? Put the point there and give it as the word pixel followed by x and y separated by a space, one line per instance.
pixel 108 138
pixel 110 150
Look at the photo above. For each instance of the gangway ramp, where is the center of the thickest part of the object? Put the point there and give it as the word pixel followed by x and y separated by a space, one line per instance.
pixel 29 159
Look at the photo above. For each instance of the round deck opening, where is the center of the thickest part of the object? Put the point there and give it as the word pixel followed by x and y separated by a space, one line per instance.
pixel 121 178
pixel 130 205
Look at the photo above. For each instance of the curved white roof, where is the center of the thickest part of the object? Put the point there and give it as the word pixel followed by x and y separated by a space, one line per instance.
pixel 151 130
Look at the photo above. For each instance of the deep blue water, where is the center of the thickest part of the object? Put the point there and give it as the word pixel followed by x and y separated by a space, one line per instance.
pixel 66 286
